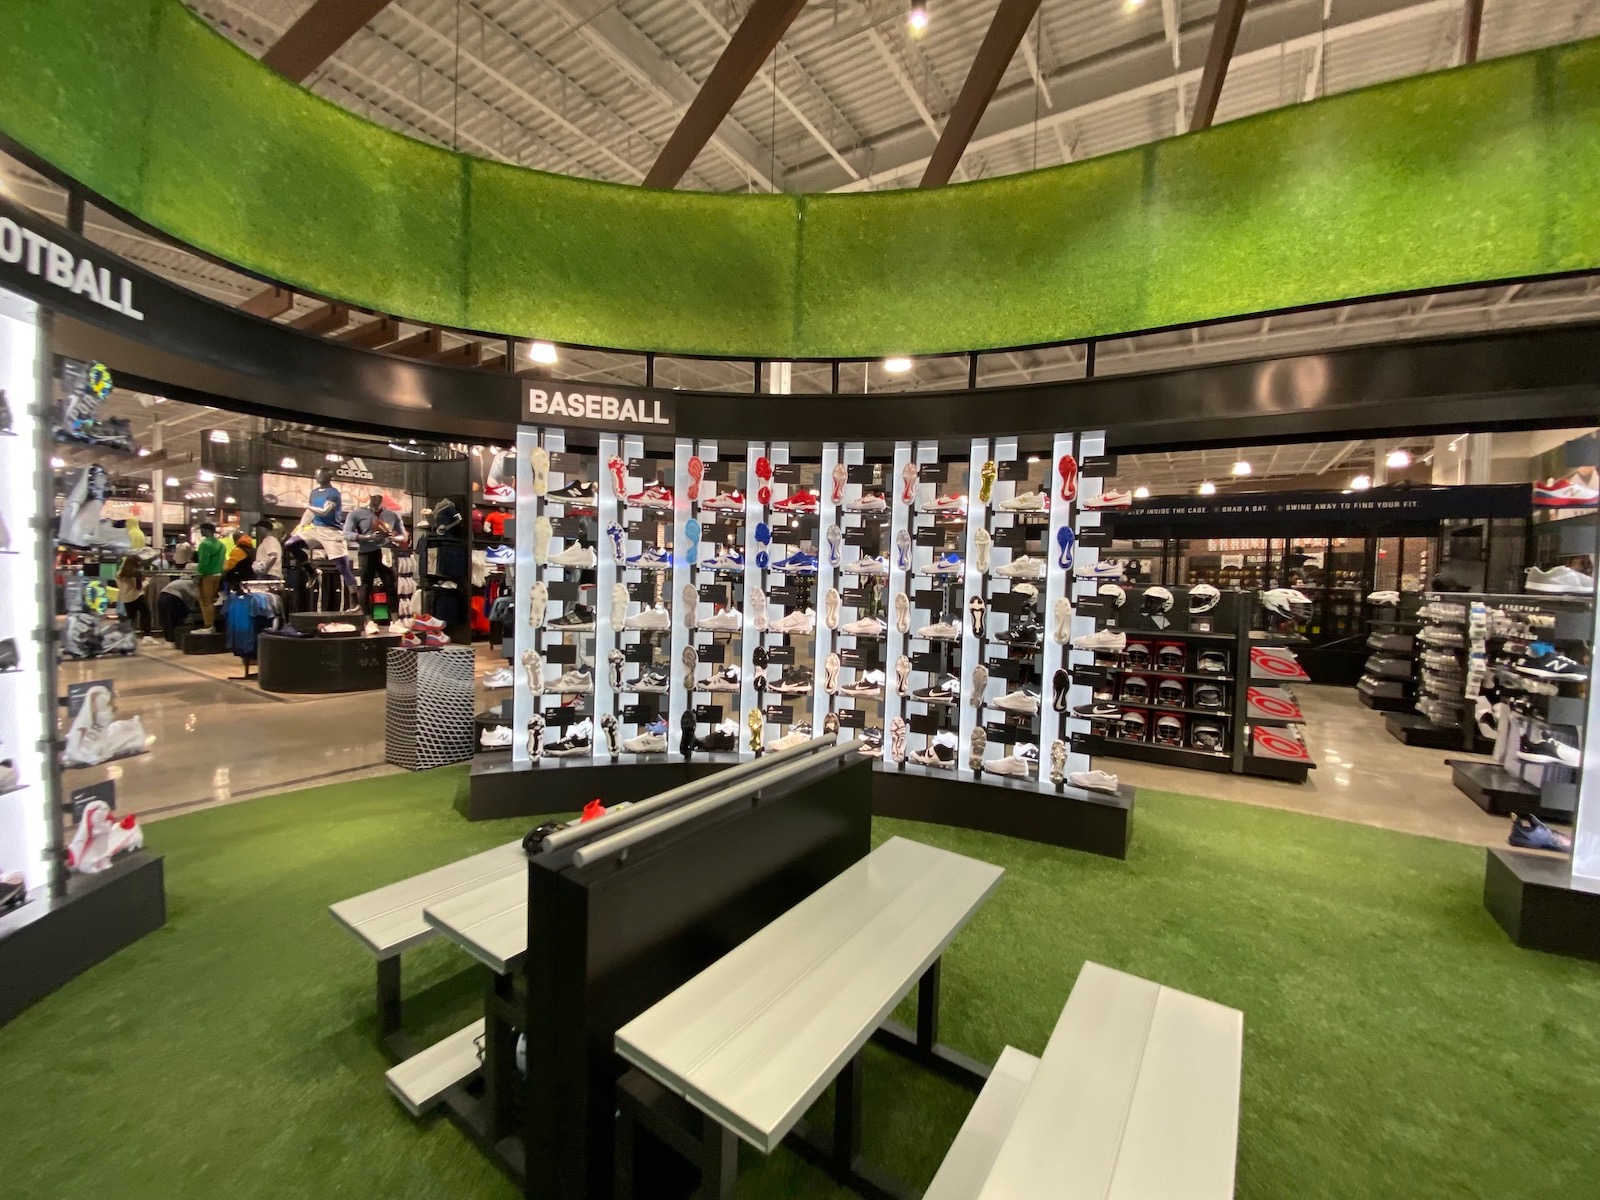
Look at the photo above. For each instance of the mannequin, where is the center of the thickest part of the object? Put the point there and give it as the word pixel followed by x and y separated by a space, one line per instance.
pixel 323 524
pixel 373 529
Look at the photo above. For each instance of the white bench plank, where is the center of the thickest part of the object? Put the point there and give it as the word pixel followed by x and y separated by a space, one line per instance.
pixel 422 1080
pixel 758 1035
pixel 389 919
pixel 490 922
pixel 988 1122
pixel 1183 1127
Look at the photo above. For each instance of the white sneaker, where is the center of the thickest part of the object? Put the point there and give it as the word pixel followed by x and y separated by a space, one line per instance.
pixel 1019 701
pixel 1020 763
pixel 865 627
pixel 798 736
pixel 499 678
pixel 541 540
pixel 902 676
pixel 578 681
pixel 875 565
pixel 1558 579
pixel 830 669
pixel 975 747
pixel 1058 761
pixel 1103 569
pixel 619 605
pixel 539 460
pixel 1094 781
pixel 575 555
pixel 729 620
pixel 897 740
pixel 654 617
pixel 830 608
pixel 1063 625
pixel 940 631
pixel 496 737
pixel 1025 502
pixel 538 602
pixel 691 606
pixel 870 502
pixel 1110 641
pixel 984 541
pixel 758 609
pixel 1025 567
pixel 978 685
pixel 533 667
pixel 795 622
pixel 1111 499
pixel 646 743
pixel 902 612
pixel 868 684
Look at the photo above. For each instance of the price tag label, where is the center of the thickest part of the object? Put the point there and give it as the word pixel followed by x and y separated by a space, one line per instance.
pixel 852 718
pixel 933 536
pixel 712 652
pixel 934 472
pixel 864 473
pixel 780 656
pixel 1013 471
pixel 718 472
pixel 564 590
pixel 561 653
pixel 1005 668
pixel 708 713
pixel 853 597
pixel 932 602
pixel 1097 466
pixel 787 595
pixel 714 593
pixel 566 527
pixel 563 463
pixel 786 473
pixel 1087 743
pixel 1001 733
pixel 926 723
pixel 1094 537
pixel 638 714
pixel 638 652
pixel 778 714
pixel 1090 676
pixel 642 590
pixel 927 660
pixel 1013 603
pixel 1098 607
pixel 860 656
pixel 868 537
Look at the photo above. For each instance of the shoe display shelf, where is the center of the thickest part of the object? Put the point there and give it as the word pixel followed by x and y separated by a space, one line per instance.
pixel 1388 680
pixel 1506 692
pixel 855 621
pixel 1441 711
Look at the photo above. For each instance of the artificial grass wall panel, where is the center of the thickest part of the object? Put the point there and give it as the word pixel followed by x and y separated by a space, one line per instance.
pixel 970 266
pixel 574 260
pixel 257 170
pixel 76 90
pixel 1484 173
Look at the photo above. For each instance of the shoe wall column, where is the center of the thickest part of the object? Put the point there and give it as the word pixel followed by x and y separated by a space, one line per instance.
pixel 927 718
pixel 1092 443
pixel 607 633
pixel 685 602
pixel 523 701
pixel 894 584
pixel 970 712
pixel 1057 587
pixel 758 611
pixel 1586 821
pixel 828 560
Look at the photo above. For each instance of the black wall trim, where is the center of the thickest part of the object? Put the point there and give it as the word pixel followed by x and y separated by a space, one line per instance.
pixel 193 348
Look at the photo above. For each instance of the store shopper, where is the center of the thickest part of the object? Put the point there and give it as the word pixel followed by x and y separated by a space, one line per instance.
pixel 178 601
pixel 240 564
pixel 209 557
pixel 269 551
pixel 375 529
pixel 182 553
pixel 132 593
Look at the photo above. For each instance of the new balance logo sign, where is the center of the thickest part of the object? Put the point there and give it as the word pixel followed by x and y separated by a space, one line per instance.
pixel 353 468
pixel 599 409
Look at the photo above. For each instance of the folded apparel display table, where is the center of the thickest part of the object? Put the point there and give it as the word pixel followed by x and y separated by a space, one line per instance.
pixel 303 665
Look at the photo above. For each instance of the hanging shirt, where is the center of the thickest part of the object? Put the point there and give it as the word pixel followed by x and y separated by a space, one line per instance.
pixel 324 506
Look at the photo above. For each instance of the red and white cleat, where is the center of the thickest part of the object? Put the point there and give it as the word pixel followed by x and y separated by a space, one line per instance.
pixel 697 472
pixel 619 476
pixel 1068 470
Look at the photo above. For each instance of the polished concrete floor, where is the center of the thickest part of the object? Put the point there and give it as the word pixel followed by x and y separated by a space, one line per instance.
pixel 217 740
pixel 1363 775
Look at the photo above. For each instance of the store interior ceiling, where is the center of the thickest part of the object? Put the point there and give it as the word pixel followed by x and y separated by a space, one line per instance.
pixel 853 100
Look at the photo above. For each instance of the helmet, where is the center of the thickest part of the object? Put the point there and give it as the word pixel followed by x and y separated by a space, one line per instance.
pixel 1114 593
pixel 1207 695
pixel 1136 688
pixel 1137 654
pixel 1169 657
pixel 1203 598
pixel 1132 725
pixel 1287 602
pixel 1156 600
pixel 1205 734
pixel 1169 730
pixel 1172 693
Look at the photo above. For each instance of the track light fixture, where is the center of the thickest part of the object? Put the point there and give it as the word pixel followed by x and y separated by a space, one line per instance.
pixel 917 18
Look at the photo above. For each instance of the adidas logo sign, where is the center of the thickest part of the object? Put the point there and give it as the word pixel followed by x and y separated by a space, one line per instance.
pixel 353 468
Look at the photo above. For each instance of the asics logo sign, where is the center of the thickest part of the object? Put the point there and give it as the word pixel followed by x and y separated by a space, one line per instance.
pixel 60 267
pixel 601 408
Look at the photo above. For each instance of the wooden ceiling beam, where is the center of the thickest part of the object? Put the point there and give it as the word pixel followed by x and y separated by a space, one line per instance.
pixel 1005 34
pixel 419 345
pixel 273 302
pixel 756 37
pixel 318 34
pixel 325 319
pixel 373 334
pixel 468 354
pixel 1224 34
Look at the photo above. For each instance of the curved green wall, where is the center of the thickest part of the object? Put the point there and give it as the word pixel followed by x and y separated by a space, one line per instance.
pixel 1484 173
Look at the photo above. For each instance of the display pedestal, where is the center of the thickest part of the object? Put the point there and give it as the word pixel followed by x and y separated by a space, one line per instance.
pixel 1540 905
pixel 1496 790
pixel 47 943
pixel 1096 822
pixel 1414 729
pixel 427 707
pixel 304 665
pixel 203 641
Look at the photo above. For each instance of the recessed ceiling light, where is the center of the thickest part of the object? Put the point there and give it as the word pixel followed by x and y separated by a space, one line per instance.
pixel 220 435
pixel 897 366
pixel 206 476
pixel 542 352
pixel 287 463
pixel 1361 483
pixel 172 481
pixel 334 458
pixel 229 500
pixel 1399 460
pixel 1241 467
pixel 1208 488
pixel 1141 492
pixel 917 18
pixel 144 451
pixel 58 463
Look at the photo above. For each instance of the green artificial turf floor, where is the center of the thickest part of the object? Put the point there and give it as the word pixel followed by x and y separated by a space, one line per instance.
pixel 1396 1043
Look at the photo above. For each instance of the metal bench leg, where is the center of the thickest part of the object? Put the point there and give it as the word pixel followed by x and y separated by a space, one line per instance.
pixel 499 1058
pixel 922 1046
pixel 388 996
pixel 847 1116
pixel 719 1162
pixel 928 1008
pixel 622 1176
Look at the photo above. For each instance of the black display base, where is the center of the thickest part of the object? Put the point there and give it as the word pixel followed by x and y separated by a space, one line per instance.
pixel 1540 905
pixel 1414 729
pixel 495 788
pixel 1076 819
pixel 47 943
pixel 1495 790
pixel 307 622
pixel 301 665
pixel 1167 756
pixel 1286 769
pixel 203 641
pixel 1388 704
